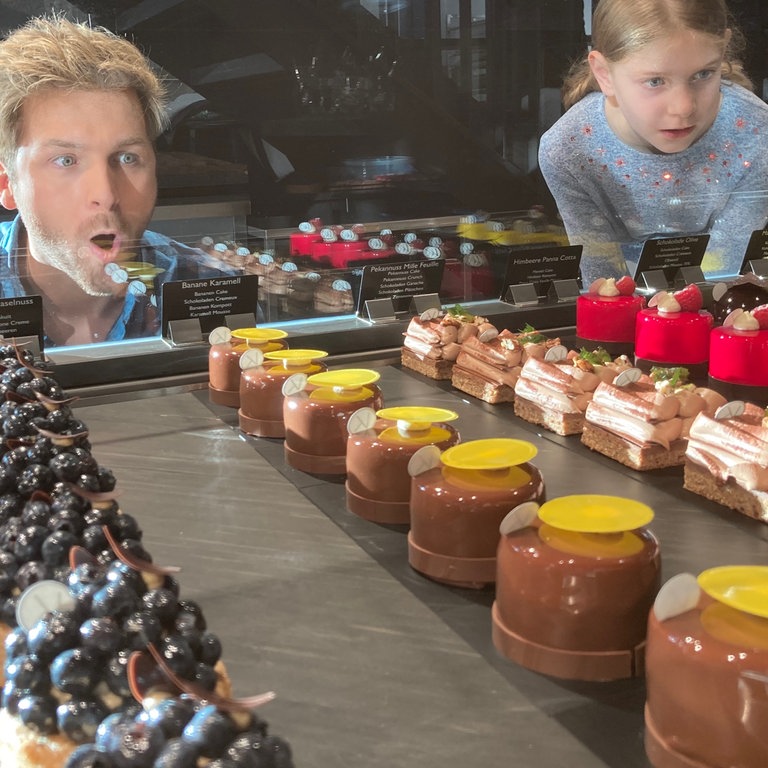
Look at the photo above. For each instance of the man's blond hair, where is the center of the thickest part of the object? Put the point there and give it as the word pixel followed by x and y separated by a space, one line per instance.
pixel 55 53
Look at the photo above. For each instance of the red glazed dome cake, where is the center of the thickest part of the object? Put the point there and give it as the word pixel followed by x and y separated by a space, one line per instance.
pixel 674 330
pixel 738 355
pixel 606 314
pixel 706 661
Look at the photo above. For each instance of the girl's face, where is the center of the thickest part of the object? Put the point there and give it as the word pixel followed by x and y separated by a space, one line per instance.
pixel 666 96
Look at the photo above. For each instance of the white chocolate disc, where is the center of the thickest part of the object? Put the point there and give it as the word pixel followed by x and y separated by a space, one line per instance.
pixel 251 358
pixel 657 297
pixel 519 517
pixel 556 354
pixel 294 384
pixel 730 410
pixel 41 598
pixel 137 288
pixel 678 595
pixel 730 318
pixel 220 335
pixel 423 460
pixel 627 377
pixel 718 291
pixel 361 420
pixel 429 314
pixel 489 334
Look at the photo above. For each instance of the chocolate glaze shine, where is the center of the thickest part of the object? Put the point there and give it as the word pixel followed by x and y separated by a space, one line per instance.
pixel 315 422
pixel 455 518
pixel 378 483
pixel 707 700
pixel 224 369
pixel 261 397
pixel 578 592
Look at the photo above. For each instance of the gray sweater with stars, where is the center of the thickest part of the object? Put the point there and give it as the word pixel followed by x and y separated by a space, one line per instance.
pixel 612 198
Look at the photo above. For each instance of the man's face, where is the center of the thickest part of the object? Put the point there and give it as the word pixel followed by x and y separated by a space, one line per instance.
pixel 83 181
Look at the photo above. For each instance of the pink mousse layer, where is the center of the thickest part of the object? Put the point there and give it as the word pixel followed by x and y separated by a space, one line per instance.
pixel 739 357
pixel 607 318
pixel 676 339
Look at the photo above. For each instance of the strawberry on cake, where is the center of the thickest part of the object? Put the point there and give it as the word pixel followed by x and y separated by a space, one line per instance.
pixel 642 420
pixel 606 314
pixel 726 459
pixel 554 391
pixel 674 331
pixel 738 355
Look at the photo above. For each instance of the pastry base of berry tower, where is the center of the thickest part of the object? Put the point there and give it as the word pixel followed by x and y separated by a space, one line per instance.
pixel 21 747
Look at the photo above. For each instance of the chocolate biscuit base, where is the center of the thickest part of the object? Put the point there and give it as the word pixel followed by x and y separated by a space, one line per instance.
pixel 640 457
pixel 484 390
pixel 750 503
pixel 560 423
pixel 433 369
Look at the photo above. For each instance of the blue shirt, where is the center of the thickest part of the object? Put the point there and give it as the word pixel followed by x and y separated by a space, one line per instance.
pixel 140 316
pixel 612 197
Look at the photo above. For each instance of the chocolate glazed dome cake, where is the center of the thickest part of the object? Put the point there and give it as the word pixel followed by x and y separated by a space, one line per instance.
pixel 106 664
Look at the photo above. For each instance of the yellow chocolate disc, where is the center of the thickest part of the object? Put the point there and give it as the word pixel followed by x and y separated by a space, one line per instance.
pixel 622 544
pixel 429 436
pixel 417 416
pixel 142 269
pixel 492 453
pixel 730 625
pixel 593 513
pixel 344 378
pixel 296 357
pixel 258 335
pixel 744 587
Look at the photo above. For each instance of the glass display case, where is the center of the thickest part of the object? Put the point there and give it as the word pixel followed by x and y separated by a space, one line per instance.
pixel 395 125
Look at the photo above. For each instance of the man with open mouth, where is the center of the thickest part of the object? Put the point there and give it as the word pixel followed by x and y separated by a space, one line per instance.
pixel 80 110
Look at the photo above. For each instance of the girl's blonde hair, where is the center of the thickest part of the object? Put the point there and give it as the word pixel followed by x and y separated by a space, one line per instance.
pixel 623 27
pixel 55 53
